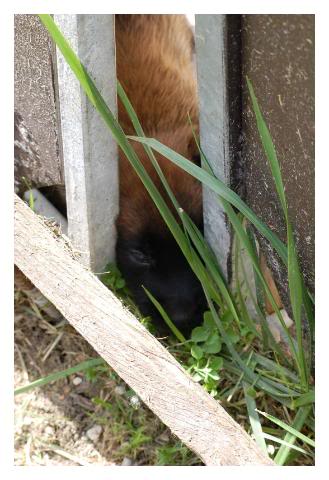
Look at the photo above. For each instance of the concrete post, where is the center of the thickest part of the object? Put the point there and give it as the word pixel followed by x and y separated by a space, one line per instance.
pixel 89 152
pixel 210 31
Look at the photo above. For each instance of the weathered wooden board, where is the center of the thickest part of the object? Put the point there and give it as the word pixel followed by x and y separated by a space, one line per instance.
pixel 37 146
pixel 193 415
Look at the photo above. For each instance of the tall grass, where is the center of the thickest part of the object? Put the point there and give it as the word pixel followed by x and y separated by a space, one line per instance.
pixel 284 378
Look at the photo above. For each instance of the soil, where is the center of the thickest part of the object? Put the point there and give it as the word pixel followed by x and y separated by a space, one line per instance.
pixel 77 420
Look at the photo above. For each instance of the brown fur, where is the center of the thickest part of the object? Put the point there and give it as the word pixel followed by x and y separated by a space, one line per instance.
pixel 155 67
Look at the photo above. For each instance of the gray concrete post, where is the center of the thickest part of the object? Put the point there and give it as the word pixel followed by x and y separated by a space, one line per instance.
pixel 89 152
pixel 210 33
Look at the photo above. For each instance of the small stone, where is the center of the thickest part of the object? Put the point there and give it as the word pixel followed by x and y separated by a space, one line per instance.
pixel 135 402
pixel 76 381
pixel 163 438
pixel 49 430
pixel 270 449
pixel 94 432
pixel 119 390
pixel 127 462
pixel 28 421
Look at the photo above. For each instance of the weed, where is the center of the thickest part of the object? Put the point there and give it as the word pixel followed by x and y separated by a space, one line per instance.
pixel 176 454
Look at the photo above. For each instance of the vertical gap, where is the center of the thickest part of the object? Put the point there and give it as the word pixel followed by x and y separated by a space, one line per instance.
pixel 234 93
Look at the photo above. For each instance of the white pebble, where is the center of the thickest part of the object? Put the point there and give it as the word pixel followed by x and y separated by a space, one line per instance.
pixel 94 432
pixel 135 402
pixel 127 462
pixel 76 381
pixel 49 430
pixel 270 449
pixel 28 421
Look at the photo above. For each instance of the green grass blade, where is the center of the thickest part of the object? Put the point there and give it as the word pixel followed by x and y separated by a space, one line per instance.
pixel 29 190
pixel 284 451
pixel 298 423
pixel 269 148
pixel 238 260
pixel 254 418
pixel 165 317
pixel 279 392
pixel 296 299
pixel 276 368
pixel 305 399
pixel 210 262
pixel 94 362
pixel 139 130
pixel 283 442
pixel 240 297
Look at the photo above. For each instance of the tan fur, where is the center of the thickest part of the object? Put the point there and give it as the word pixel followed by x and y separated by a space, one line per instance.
pixel 155 67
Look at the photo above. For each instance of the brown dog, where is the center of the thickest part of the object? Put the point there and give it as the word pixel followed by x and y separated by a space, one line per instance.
pixel 155 67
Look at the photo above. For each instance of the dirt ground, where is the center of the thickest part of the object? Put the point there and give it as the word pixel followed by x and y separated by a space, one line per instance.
pixel 84 419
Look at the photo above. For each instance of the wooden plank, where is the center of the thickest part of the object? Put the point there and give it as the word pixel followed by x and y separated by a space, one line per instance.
pixel 89 151
pixel 140 360
pixel 37 155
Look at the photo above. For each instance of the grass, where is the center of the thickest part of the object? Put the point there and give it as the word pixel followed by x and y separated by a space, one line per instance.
pixel 252 368
pixel 69 409
pixel 81 367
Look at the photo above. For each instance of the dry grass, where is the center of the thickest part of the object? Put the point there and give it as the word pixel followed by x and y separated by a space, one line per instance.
pixel 51 423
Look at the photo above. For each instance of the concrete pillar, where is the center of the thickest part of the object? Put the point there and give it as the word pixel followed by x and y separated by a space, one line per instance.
pixel 219 118
pixel 89 151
